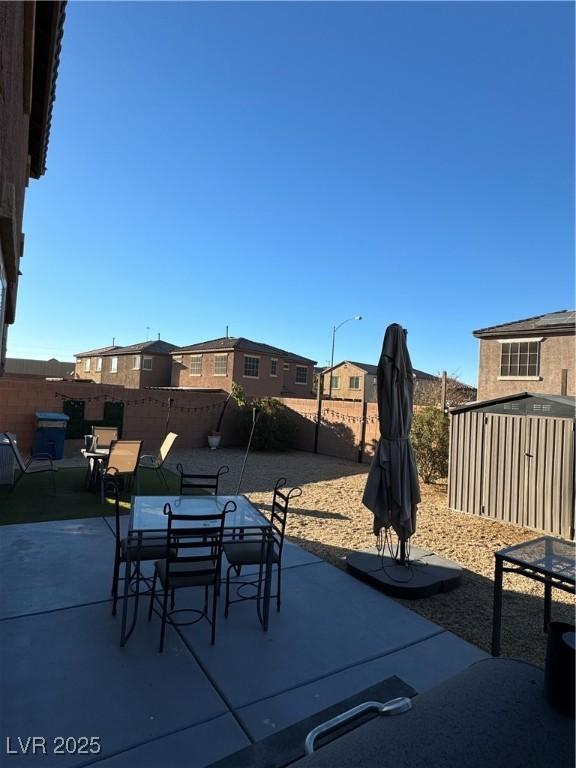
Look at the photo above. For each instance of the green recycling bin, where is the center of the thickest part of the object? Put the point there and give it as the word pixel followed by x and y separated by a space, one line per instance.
pixel 50 434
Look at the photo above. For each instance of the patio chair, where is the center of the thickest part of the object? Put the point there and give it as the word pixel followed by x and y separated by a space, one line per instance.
pixel 251 550
pixel 30 467
pixel 156 463
pixel 105 436
pixel 130 549
pixel 200 484
pixel 189 562
pixel 122 463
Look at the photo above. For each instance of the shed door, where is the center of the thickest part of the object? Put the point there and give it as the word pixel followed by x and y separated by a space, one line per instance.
pixel 503 465
pixel 549 475
pixel 529 472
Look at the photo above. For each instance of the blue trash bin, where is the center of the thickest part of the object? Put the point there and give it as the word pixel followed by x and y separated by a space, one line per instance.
pixel 50 434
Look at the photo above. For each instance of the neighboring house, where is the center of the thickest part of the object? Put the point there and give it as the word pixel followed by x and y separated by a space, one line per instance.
pixel 30 40
pixel 261 370
pixel 147 364
pixel 533 355
pixel 47 369
pixel 357 381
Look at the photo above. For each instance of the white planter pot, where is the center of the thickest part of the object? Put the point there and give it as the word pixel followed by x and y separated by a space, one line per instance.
pixel 214 441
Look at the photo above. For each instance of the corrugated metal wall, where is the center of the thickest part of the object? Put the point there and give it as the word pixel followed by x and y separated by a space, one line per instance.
pixel 518 469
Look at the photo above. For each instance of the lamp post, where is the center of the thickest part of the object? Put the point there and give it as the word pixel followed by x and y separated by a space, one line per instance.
pixel 356 317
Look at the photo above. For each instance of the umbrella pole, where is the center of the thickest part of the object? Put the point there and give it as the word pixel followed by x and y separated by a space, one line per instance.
pixel 402 553
pixel 254 420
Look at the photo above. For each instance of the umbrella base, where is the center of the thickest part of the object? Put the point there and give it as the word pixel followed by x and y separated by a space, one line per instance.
pixel 425 575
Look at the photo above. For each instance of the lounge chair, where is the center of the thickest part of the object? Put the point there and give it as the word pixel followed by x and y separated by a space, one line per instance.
pixel 30 467
pixel 149 461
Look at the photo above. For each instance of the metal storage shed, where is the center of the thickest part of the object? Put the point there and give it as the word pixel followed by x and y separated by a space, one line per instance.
pixel 512 459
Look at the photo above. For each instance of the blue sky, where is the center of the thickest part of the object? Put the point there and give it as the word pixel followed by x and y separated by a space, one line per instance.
pixel 280 167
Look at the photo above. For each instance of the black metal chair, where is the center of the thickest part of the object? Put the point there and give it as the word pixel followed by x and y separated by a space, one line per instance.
pixel 189 561
pixel 200 484
pixel 130 550
pixel 252 549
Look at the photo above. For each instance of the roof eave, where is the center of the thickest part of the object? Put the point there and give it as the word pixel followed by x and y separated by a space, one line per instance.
pixel 500 333
pixel 47 47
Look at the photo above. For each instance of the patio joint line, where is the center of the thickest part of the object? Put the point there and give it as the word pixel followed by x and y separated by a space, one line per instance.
pixel 55 610
pixel 151 740
pixel 215 686
pixel 337 671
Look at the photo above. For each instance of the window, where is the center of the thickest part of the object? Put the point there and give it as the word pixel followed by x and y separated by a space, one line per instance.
pixel 196 365
pixel 286 366
pixel 301 374
pixel 273 367
pixel 136 363
pixel 146 363
pixel 354 382
pixel 520 358
pixel 87 364
pixel 98 363
pixel 221 365
pixel 113 365
pixel 251 366
pixel 335 382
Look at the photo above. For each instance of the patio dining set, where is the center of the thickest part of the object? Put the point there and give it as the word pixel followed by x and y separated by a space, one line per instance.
pixel 186 536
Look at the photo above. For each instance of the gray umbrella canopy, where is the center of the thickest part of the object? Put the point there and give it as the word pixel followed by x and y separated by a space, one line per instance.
pixel 392 492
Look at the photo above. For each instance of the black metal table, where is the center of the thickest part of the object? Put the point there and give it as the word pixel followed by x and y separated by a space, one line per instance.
pixel 147 517
pixel 547 560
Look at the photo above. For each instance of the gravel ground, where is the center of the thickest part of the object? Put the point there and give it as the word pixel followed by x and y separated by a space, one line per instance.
pixel 329 520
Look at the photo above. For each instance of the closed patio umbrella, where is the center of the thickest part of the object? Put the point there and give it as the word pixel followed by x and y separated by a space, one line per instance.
pixel 392 492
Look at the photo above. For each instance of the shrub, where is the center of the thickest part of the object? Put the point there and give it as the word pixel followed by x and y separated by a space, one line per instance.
pixel 274 429
pixel 430 440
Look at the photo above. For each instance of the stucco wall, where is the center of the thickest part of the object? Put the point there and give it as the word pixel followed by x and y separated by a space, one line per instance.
pixel 127 375
pixel 266 385
pixel 345 371
pixel 556 353
pixel 13 135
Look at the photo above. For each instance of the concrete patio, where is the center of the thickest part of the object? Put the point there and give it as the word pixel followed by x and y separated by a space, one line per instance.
pixel 64 674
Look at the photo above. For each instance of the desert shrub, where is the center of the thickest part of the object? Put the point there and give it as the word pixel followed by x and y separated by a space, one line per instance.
pixel 274 428
pixel 430 440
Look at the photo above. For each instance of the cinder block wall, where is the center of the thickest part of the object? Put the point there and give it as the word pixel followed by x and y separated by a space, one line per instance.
pixel 193 414
pixel 340 427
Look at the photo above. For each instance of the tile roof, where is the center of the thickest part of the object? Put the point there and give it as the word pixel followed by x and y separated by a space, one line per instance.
pixel 564 320
pixel 101 351
pixel 156 347
pixel 231 343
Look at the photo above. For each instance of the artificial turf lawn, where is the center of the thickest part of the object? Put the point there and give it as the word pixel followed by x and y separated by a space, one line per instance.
pixel 33 499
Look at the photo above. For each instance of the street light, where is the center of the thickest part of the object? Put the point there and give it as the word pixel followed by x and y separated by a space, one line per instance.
pixel 356 317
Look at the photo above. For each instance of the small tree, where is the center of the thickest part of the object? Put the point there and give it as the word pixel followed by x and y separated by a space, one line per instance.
pixel 430 440
pixel 274 429
pixel 429 391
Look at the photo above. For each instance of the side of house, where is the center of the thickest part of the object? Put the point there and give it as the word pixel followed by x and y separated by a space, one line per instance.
pixel 351 381
pixel 260 369
pixel 358 381
pixel 147 364
pixel 30 40
pixel 533 355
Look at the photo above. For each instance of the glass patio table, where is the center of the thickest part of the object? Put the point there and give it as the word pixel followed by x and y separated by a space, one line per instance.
pixel 547 560
pixel 147 516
